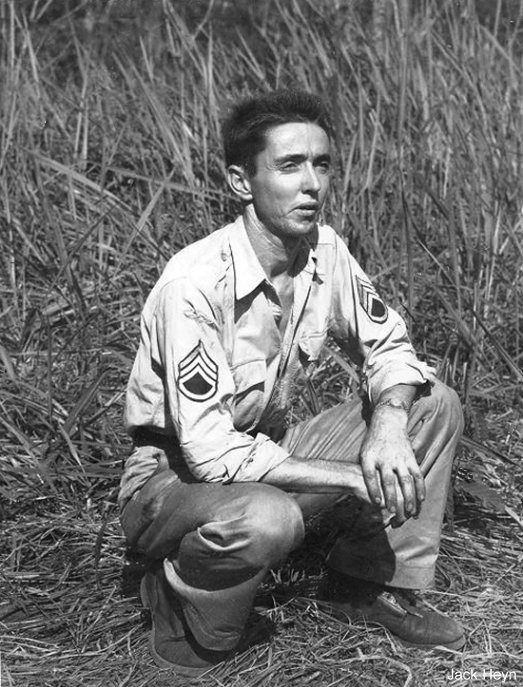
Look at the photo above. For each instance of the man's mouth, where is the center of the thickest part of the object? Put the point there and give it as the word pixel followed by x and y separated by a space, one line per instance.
pixel 308 208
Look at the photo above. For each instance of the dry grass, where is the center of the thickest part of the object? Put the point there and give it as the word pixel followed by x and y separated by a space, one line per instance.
pixel 110 161
pixel 72 617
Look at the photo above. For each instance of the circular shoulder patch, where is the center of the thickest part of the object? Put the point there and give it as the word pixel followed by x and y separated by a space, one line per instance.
pixel 198 374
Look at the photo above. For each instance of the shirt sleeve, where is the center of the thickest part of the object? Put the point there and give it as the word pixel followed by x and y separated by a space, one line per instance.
pixel 199 388
pixel 376 334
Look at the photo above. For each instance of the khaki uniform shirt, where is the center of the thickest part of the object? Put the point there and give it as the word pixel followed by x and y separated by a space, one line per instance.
pixel 213 370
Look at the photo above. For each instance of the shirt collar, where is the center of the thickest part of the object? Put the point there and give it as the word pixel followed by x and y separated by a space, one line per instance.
pixel 312 259
pixel 249 274
pixel 312 265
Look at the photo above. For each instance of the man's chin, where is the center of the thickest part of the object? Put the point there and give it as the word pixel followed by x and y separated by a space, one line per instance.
pixel 308 231
pixel 304 228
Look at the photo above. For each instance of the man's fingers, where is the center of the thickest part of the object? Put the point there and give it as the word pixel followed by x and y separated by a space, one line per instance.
pixel 406 485
pixel 413 489
pixel 389 485
pixel 398 486
pixel 419 483
pixel 373 486
pixel 419 486
pixel 401 514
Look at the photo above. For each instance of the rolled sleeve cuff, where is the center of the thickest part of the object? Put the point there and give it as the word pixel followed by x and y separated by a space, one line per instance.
pixel 416 373
pixel 246 459
pixel 263 457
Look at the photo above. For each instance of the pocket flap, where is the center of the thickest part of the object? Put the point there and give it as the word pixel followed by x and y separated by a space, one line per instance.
pixel 248 375
pixel 312 344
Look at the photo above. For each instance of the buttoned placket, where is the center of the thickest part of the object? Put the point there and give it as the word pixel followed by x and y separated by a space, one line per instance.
pixel 274 304
pixel 301 287
pixel 249 277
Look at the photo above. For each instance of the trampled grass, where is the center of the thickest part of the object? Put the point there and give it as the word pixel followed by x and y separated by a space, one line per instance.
pixel 110 161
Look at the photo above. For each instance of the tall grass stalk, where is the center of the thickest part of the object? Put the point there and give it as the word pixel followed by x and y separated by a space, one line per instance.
pixel 111 160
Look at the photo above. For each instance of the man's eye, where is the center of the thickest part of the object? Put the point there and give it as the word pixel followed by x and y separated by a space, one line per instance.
pixel 289 167
pixel 324 167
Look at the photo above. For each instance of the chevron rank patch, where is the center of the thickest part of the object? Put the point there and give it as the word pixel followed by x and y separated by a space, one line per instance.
pixel 371 302
pixel 198 374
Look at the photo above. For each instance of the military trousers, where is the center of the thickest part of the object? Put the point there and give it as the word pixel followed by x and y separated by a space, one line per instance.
pixel 217 541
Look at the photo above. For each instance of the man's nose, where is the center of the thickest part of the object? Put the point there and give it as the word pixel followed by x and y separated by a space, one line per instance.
pixel 311 182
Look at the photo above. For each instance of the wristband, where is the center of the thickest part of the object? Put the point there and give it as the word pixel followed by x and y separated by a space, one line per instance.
pixel 394 403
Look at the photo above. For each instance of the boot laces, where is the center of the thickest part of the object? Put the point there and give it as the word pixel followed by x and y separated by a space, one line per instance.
pixel 402 599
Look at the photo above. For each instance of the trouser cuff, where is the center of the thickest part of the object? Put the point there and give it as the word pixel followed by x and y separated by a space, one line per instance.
pixel 402 576
pixel 216 618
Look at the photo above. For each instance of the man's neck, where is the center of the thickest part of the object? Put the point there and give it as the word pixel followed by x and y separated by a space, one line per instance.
pixel 276 255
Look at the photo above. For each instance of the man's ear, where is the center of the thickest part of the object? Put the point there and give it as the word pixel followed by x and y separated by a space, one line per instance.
pixel 239 182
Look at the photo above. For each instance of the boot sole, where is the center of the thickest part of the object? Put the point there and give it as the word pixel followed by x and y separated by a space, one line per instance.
pixel 185 671
pixel 456 645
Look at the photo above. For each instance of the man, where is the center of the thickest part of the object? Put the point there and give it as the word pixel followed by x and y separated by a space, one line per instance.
pixel 217 487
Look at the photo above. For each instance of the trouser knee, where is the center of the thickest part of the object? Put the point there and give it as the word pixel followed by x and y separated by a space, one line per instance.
pixel 435 426
pixel 255 530
pixel 273 522
pixel 447 409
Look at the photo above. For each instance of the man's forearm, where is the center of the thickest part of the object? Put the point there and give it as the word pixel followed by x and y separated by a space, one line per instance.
pixel 318 476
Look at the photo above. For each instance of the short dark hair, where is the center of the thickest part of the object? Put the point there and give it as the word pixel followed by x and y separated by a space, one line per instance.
pixel 244 129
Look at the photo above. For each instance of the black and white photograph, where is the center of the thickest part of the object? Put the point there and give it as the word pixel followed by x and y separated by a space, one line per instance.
pixel 261 343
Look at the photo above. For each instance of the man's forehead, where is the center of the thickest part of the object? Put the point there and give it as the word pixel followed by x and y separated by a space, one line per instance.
pixel 293 137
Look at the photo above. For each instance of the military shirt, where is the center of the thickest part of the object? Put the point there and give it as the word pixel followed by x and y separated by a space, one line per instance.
pixel 213 369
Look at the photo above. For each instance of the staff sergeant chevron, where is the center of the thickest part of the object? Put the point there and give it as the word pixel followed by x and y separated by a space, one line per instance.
pixel 371 302
pixel 198 374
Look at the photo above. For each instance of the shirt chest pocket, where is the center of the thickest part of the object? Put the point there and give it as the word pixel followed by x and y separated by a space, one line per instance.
pixel 311 345
pixel 249 380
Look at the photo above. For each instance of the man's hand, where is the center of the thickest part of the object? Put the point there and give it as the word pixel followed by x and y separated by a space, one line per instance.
pixel 389 467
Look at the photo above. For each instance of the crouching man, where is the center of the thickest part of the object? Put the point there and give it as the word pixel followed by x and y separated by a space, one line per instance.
pixel 218 484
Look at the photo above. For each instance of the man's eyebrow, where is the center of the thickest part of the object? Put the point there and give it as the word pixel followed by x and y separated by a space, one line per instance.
pixel 300 157
pixel 296 157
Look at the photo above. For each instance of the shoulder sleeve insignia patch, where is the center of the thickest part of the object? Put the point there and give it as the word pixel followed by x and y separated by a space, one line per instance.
pixel 371 302
pixel 198 374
